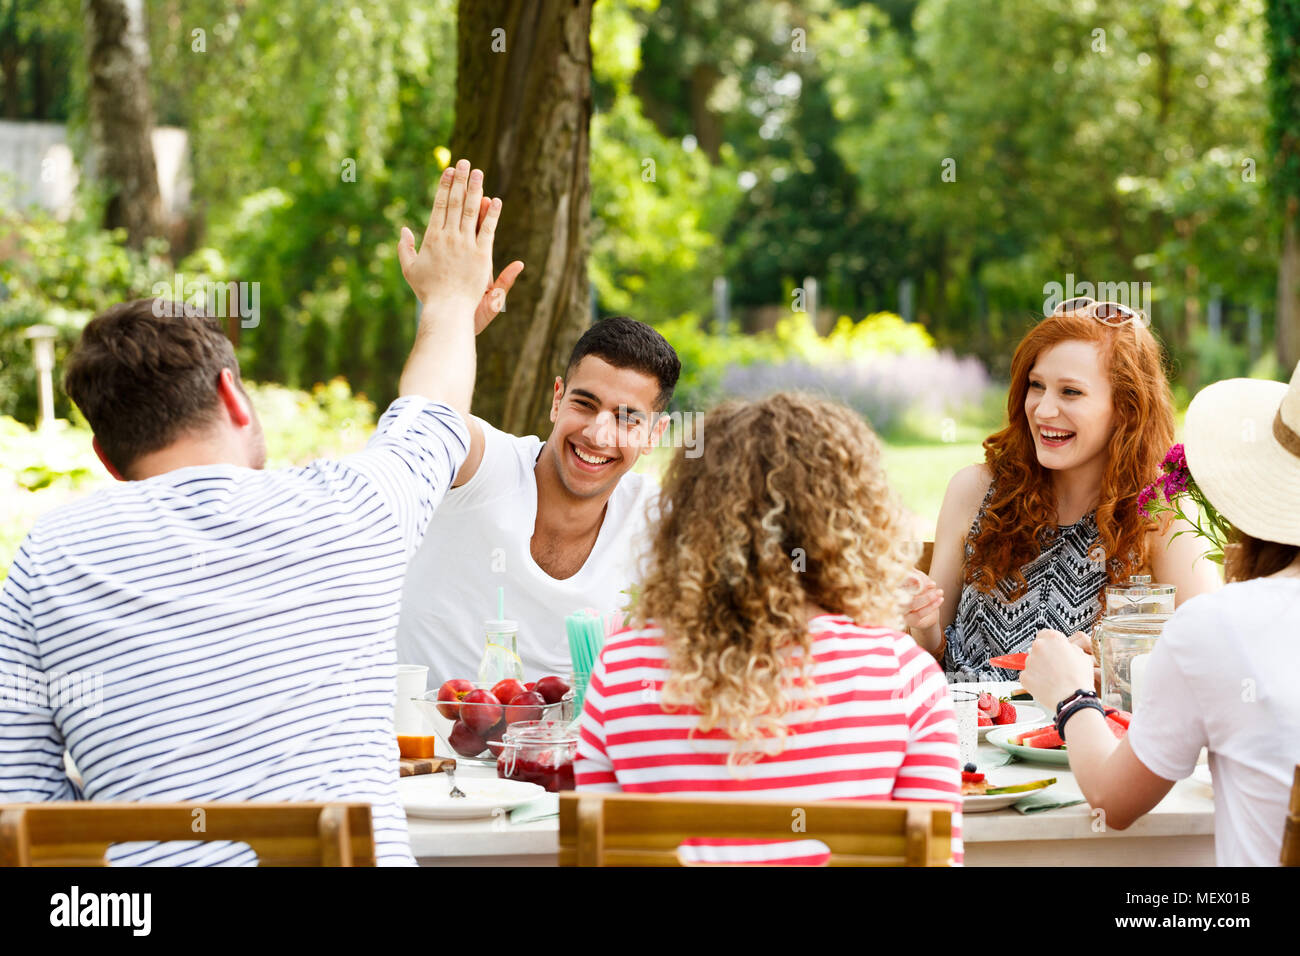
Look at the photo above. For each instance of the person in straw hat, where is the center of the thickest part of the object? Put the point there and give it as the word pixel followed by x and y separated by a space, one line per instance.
pixel 1225 674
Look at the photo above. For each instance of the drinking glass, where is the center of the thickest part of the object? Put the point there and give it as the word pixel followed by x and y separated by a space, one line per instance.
pixel 966 703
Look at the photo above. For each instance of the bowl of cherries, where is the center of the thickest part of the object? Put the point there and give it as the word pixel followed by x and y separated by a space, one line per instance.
pixel 470 720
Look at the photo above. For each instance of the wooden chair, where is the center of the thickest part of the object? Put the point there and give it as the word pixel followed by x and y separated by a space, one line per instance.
pixel 1291 833
pixel 79 833
pixel 927 557
pixel 624 829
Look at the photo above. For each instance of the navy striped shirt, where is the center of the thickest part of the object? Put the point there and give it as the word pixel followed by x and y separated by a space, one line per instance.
pixel 223 633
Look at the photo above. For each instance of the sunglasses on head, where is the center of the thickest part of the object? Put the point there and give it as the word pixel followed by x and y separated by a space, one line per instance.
pixel 1111 313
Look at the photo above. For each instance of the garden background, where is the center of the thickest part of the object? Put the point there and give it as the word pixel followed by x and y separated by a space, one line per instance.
pixel 930 165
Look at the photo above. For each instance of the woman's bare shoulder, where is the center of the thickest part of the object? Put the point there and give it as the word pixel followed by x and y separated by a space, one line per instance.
pixel 962 500
pixel 967 488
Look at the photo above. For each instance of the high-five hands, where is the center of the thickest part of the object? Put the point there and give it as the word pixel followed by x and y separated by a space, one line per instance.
pixel 454 262
pixel 494 299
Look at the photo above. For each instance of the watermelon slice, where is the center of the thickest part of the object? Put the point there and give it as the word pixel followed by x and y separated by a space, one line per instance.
pixel 1011 662
pixel 1049 739
pixel 1019 739
pixel 1121 717
pixel 1116 728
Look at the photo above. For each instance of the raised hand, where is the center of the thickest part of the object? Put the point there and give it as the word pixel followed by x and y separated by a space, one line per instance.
pixel 454 262
pixel 494 299
pixel 922 612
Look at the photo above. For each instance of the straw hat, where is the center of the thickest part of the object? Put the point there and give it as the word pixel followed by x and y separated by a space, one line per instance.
pixel 1242 439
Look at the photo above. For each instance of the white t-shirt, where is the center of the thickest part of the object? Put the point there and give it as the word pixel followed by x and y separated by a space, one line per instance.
pixel 479 540
pixel 1225 675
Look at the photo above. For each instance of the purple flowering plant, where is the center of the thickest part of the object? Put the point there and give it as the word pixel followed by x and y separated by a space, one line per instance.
pixel 1178 489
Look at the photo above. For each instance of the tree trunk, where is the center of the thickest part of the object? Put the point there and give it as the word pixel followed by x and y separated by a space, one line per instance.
pixel 708 128
pixel 1283 37
pixel 523 114
pixel 121 117
pixel 1288 293
pixel 12 95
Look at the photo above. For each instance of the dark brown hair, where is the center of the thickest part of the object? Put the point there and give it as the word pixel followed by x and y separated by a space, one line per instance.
pixel 624 342
pixel 1249 557
pixel 144 373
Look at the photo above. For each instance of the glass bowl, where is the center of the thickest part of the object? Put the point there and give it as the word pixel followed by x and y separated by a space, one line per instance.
pixel 475 732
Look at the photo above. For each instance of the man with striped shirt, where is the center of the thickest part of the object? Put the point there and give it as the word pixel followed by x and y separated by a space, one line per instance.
pixel 209 630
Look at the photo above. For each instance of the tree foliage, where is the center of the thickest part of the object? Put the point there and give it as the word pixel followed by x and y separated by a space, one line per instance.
pixel 1117 141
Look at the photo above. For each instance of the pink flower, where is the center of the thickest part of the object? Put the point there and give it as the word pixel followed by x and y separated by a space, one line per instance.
pixel 1174 484
pixel 1145 496
pixel 1175 459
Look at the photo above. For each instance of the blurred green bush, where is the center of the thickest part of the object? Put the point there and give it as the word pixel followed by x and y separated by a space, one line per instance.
pixel 60 274
pixel 40 470
pixel 717 366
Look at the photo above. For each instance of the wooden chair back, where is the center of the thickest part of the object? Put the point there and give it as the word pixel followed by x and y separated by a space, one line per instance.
pixel 624 829
pixel 927 557
pixel 1291 832
pixel 79 833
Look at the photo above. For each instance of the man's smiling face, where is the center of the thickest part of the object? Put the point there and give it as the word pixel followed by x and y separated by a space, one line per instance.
pixel 604 421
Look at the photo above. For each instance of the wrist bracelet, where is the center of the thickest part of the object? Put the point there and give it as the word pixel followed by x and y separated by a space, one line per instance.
pixel 1082 704
pixel 1077 695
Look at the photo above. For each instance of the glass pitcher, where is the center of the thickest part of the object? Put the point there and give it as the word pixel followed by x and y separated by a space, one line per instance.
pixel 1140 596
pixel 1124 643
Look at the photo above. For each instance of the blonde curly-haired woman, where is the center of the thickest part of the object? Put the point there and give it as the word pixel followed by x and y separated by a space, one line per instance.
pixel 766 654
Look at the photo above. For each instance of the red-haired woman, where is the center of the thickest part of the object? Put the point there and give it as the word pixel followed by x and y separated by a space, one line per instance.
pixel 1029 539
pixel 1224 673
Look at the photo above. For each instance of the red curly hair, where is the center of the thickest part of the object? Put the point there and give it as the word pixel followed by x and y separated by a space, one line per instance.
pixel 1021 514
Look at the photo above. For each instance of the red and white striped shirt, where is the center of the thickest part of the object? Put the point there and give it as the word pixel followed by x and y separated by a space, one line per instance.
pixel 887 730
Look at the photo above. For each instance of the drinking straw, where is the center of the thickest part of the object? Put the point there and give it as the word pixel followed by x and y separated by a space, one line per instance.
pixel 586 633
pixel 501 603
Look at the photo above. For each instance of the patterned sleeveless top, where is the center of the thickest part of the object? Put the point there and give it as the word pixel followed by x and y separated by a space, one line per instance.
pixel 1064 593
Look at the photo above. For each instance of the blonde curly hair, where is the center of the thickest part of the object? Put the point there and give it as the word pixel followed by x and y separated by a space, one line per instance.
pixel 786 506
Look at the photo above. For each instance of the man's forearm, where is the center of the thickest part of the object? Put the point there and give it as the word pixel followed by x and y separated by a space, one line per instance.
pixel 441 364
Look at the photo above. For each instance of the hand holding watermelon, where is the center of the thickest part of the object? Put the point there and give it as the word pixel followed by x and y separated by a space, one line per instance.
pixel 1055 668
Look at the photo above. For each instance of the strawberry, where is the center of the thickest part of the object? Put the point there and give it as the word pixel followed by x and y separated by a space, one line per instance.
pixel 971 777
pixel 985 721
pixel 1006 713
pixel 988 704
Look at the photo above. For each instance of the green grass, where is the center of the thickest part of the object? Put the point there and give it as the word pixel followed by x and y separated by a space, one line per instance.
pixel 918 470
pixel 920 474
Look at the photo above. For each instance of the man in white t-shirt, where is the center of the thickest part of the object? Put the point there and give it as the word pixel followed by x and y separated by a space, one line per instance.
pixel 558 524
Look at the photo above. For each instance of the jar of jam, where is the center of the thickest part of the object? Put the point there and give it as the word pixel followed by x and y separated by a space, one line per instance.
pixel 540 752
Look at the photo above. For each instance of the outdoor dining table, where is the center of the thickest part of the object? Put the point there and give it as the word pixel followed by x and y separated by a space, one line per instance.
pixel 1179 831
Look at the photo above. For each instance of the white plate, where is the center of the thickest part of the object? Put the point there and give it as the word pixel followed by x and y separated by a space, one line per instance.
pixel 998 688
pixel 998 801
pixel 427 795
pixel 997 736
pixel 1027 715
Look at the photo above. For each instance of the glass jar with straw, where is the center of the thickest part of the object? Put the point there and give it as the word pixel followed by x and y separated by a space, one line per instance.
pixel 501 649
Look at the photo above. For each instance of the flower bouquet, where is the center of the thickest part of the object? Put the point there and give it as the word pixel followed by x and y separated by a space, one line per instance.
pixel 1177 487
